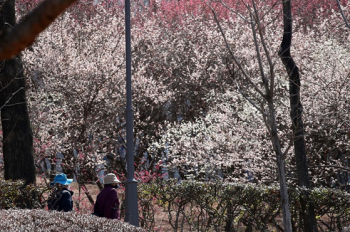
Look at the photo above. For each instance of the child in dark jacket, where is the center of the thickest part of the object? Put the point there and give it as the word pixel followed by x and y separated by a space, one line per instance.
pixel 107 202
pixel 61 197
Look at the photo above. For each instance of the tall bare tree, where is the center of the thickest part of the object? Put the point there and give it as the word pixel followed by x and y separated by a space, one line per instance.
pixel 266 95
pixel 308 214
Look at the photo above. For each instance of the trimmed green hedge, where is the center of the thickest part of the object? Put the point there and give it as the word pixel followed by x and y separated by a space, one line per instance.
pixel 16 195
pixel 39 220
pixel 219 206
pixel 210 206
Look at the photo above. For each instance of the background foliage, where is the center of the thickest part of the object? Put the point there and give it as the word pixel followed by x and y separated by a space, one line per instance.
pixel 189 114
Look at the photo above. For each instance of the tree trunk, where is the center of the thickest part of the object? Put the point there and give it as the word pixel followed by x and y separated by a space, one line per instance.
pixel 17 134
pixel 287 221
pixel 308 214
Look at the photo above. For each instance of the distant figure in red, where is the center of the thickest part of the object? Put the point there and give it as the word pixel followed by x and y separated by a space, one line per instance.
pixel 107 202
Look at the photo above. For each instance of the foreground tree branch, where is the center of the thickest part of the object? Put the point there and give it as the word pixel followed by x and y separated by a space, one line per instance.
pixel 16 39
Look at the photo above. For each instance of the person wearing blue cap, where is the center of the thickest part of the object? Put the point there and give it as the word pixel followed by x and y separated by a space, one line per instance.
pixel 61 197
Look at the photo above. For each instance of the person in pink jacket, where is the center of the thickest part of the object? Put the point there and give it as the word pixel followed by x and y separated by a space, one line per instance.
pixel 107 201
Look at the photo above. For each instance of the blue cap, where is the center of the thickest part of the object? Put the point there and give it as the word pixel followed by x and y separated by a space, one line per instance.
pixel 62 179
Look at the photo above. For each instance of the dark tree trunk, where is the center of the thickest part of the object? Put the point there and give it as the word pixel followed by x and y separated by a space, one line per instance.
pixel 308 214
pixel 17 134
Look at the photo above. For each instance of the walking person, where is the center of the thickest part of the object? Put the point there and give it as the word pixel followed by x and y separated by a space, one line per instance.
pixel 61 197
pixel 107 201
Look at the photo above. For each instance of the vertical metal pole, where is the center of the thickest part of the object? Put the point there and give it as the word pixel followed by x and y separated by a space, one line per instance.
pixel 131 206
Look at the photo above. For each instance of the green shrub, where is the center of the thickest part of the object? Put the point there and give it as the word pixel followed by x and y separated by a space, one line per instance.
pixel 220 206
pixel 15 194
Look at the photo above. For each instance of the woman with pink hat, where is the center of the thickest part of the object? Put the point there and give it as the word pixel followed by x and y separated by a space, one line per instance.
pixel 107 202
pixel 61 197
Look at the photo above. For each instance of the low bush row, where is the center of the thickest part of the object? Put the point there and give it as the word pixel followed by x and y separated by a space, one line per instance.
pixel 219 206
pixel 40 220
pixel 15 195
pixel 188 205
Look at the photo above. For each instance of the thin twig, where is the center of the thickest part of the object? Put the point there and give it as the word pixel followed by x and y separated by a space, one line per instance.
pixel 267 53
pixel 264 80
pixel 249 100
pixel 233 56
pixel 342 14
pixel 13 94
pixel 235 12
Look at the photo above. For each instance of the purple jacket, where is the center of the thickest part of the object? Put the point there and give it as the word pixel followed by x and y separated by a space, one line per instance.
pixel 108 202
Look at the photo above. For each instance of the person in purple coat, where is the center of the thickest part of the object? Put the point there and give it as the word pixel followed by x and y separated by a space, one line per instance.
pixel 107 201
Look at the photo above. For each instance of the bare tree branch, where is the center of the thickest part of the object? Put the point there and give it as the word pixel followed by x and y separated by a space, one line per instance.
pixel 15 40
pixel 267 53
pixel 250 101
pixel 261 68
pixel 233 56
pixel 342 14
pixel 13 94
pixel 236 12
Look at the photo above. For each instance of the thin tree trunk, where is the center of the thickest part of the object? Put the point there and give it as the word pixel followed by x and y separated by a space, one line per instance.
pixel 281 171
pixel 308 214
pixel 17 134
